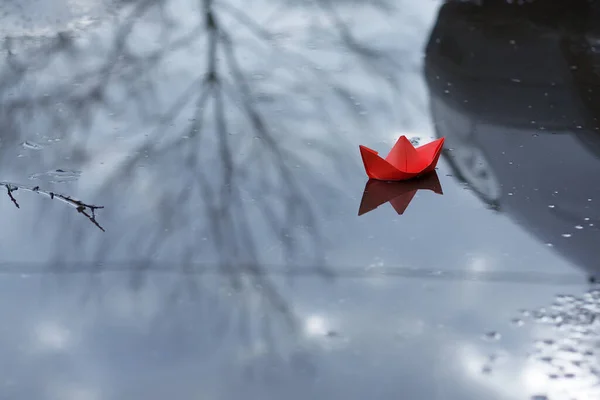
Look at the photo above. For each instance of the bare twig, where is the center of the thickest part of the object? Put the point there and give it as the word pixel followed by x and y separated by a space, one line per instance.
pixel 88 210
pixel 9 190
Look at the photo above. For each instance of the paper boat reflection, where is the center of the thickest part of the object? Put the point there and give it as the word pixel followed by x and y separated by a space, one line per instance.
pixel 399 194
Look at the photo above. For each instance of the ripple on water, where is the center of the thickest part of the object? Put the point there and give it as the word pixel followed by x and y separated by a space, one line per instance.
pixel 57 176
pixel 569 355
pixel 32 145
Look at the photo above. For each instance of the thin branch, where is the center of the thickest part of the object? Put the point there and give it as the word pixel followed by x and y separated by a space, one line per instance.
pixel 88 210
pixel 9 190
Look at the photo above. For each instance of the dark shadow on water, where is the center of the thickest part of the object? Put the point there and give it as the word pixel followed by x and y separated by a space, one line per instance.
pixel 515 92
pixel 519 111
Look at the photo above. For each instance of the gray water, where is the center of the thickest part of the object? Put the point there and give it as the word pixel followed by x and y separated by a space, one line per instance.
pixel 188 184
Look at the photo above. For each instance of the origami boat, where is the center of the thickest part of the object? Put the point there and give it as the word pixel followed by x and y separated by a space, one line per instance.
pixel 404 160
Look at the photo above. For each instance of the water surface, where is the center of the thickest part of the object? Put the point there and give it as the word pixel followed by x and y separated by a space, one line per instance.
pixel 229 259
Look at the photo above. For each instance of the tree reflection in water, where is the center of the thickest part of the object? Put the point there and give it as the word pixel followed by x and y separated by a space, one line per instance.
pixel 217 123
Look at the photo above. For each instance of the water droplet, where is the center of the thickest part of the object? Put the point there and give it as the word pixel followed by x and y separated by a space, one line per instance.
pixel 517 322
pixel 551 206
pixel 492 336
pixel 576 363
pixel 415 141
pixel 566 235
pixel 578 227
pixel 549 245
pixel 586 219
pixel 564 298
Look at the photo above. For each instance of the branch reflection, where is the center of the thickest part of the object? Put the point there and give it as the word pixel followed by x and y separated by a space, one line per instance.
pixel 205 129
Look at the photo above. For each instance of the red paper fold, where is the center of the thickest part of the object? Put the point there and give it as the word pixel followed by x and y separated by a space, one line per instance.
pixel 404 160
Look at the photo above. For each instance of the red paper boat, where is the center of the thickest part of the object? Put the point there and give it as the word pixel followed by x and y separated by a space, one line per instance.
pixel 399 194
pixel 404 161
